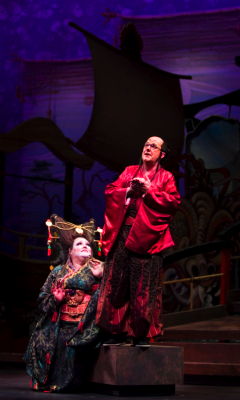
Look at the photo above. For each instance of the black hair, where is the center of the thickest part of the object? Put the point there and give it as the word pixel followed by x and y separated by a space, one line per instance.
pixel 165 160
pixel 165 148
pixel 59 253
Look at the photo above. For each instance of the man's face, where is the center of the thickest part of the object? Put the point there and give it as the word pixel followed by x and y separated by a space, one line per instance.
pixel 152 150
pixel 81 248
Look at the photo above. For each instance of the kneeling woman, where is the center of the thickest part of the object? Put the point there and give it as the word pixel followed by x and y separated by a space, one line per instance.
pixel 65 329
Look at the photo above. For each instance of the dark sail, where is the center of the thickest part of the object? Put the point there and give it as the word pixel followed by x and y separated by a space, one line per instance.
pixel 133 100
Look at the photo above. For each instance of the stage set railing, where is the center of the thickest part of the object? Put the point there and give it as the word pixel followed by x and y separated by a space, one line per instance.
pixel 22 245
pixel 224 245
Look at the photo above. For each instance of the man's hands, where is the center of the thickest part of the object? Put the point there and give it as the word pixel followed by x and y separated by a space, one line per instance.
pixel 138 187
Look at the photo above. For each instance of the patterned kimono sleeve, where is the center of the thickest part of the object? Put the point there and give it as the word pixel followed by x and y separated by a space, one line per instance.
pixel 46 300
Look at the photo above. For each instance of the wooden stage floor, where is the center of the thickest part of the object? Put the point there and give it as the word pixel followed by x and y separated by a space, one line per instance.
pixel 14 385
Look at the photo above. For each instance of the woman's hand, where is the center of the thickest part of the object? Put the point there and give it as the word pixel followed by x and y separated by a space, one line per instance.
pixel 58 292
pixel 96 267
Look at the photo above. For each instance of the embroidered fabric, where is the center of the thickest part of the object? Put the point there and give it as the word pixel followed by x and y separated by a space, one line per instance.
pixel 75 307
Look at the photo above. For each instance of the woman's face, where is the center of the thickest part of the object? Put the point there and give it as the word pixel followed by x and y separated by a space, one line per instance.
pixel 81 248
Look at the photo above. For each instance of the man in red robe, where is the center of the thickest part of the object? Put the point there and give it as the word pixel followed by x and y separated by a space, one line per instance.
pixel 139 207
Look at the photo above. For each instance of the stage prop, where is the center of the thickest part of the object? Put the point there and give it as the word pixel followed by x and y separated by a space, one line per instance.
pixel 45 131
pixel 133 100
pixel 229 99
pixel 128 370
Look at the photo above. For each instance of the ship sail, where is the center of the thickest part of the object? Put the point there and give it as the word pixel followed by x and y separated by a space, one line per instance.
pixel 133 100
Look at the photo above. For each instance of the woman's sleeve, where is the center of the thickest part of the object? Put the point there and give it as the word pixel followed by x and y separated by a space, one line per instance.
pixel 46 300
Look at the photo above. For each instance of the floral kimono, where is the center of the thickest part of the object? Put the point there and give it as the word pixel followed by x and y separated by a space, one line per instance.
pixel 64 331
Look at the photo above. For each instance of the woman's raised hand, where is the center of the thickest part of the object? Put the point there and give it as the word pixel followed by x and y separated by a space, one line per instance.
pixel 96 267
pixel 58 292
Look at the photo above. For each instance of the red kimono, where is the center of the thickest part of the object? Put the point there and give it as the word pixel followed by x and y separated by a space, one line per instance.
pixel 131 297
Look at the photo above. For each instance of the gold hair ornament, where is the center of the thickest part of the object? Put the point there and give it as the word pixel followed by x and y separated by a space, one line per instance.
pixel 67 226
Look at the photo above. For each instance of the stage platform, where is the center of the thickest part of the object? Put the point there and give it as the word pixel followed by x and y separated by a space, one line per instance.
pixel 211 351
pixel 126 369
pixel 223 329
pixel 211 348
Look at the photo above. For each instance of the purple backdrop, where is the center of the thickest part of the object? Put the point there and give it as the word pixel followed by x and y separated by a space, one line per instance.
pixel 34 31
